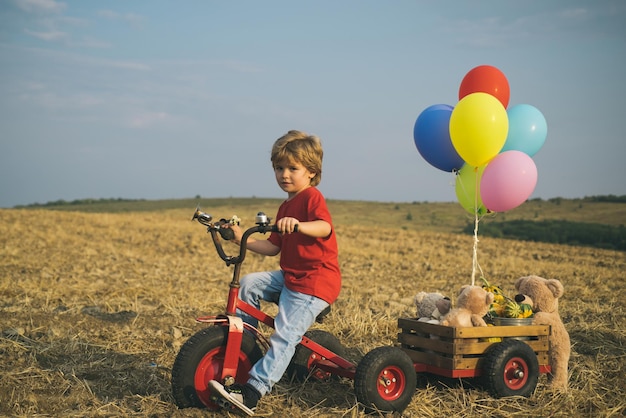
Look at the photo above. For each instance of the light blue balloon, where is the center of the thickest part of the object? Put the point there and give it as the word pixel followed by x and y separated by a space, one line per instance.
pixel 527 129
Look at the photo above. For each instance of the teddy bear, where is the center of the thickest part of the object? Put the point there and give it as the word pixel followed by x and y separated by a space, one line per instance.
pixel 431 307
pixel 472 305
pixel 544 296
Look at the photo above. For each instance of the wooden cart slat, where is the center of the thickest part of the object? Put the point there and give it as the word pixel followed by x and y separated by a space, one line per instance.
pixel 409 324
pixel 463 347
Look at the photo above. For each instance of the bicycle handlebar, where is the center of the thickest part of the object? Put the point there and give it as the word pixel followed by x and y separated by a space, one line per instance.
pixel 262 226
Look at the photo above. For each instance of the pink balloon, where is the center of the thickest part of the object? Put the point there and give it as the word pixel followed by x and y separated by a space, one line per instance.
pixel 508 181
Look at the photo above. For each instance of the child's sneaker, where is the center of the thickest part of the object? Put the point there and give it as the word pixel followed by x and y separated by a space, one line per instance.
pixel 243 397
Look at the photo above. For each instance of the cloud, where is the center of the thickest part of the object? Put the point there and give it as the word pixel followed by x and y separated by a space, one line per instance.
pixel 600 19
pixel 41 96
pixel 496 31
pixel 88 42
pixel 125 65
pixel 40 6
pixel 49 36
pixel 484 33
pixel 148 119
pixel 50 23
pixel 130 18
pixel 574 14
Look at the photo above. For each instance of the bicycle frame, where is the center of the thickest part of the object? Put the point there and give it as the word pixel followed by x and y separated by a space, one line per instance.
pixel 324 359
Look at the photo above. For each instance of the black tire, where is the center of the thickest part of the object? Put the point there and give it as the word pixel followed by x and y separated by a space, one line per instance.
pixel 385 380
pixel 201 359
pixel 510 368
pixel 302 365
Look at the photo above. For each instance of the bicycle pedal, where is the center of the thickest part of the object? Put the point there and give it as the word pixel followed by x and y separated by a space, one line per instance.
pixel 218 400
pixel 221 402
pixel 220 396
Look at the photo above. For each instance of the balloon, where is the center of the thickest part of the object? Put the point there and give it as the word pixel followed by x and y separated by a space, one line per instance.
pixel 432 138
pixel 478 128
pixel 527 129
pixel 508 180
pixel 467 188
pixel 486 79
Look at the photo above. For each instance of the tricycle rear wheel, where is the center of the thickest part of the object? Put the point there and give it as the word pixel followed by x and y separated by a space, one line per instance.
pixel 302 365
pixel 385 380
pixel 510 368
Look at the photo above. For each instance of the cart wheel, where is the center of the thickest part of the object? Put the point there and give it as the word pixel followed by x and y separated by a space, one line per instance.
pixel 302 365
pixel 201 359
pixel 385 380
pixel 510 368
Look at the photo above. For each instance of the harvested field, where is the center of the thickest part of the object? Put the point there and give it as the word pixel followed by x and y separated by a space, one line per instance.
pixel 94 307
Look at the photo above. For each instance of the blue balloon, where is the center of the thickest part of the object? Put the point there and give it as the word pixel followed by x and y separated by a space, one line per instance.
pixel 432 138
pixel 527 130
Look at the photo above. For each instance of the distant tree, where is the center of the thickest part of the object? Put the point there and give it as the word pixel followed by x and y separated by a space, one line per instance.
pixel 558 232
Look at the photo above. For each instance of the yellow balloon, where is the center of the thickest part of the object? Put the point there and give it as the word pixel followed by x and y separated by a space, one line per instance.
pixel 467 188
pixel 479 126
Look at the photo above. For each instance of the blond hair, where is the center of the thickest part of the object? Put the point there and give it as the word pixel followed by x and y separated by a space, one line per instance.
pixel 300 147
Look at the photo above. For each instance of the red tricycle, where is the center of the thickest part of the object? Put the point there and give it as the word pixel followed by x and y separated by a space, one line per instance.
pixel 384 379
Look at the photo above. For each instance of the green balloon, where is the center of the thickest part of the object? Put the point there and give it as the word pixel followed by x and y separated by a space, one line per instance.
pixel 467 188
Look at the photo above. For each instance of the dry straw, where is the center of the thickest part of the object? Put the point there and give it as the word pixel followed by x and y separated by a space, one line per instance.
pixel 94 308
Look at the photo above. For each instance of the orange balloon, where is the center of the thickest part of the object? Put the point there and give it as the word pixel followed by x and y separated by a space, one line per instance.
pixel 486 79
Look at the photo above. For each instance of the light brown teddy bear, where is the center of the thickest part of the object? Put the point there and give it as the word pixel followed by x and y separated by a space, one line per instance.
pixel 471 306
pixel 545 294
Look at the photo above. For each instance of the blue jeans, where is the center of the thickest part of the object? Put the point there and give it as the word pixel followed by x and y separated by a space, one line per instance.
pixel 296 314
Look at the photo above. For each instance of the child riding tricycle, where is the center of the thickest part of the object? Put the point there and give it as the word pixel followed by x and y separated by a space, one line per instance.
pixel 226 351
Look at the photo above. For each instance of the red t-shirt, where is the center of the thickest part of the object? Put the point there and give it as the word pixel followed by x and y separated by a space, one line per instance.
pixel 310 264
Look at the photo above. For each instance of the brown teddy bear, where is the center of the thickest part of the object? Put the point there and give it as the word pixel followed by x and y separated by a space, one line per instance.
pixel 471 306
pixel 544 295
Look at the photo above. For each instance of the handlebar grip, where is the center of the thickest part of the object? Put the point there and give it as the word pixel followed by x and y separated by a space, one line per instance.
pixel 275 228
pixel 226 233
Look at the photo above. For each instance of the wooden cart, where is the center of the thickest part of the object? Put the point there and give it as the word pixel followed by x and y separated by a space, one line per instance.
pixel 509 359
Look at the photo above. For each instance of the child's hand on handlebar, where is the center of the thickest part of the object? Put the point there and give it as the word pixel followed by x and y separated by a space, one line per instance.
pixel 287 225
pixel 237 232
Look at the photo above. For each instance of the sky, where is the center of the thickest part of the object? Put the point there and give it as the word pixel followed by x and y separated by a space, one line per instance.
pixel 164 99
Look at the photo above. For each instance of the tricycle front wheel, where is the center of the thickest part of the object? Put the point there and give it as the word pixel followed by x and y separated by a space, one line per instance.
pixel 385 380
pixel 201 359
pixel 510 368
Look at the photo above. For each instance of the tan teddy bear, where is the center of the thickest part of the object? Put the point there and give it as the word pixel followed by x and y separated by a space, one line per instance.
pixel 471 306
pixel 545 294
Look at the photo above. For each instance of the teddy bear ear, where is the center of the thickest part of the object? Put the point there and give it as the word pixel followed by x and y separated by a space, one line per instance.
pixel 519 282
pixel 419 297
pixel 556 287
pixel 490 298
pixel 444 305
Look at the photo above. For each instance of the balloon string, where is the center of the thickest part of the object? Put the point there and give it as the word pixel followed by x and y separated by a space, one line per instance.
pixel 475 265
pixel 475 252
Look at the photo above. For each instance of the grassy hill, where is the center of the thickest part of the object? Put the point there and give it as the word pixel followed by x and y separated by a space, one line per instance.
pixel 594 221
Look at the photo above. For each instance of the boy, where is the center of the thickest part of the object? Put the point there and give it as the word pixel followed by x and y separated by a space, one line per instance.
pixel 309 278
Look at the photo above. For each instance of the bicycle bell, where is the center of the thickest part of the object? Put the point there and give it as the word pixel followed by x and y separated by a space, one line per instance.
pixel 261 219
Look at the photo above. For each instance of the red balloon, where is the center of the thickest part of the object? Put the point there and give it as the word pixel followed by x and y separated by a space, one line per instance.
pixel 486 79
